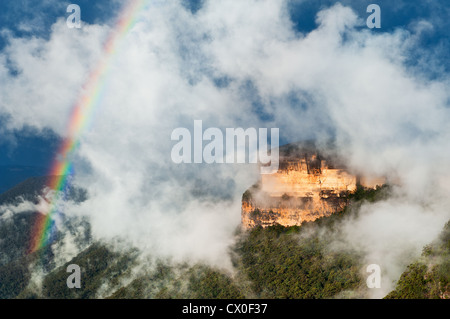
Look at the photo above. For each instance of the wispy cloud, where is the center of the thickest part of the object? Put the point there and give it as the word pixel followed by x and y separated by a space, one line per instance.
pixel 339 80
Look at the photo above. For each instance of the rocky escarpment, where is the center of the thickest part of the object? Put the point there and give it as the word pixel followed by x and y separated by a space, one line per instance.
pixel 306 186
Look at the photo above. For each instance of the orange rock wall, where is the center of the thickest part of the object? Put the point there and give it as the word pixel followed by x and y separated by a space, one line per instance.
pixel 302 184
pixel 288 216
pixel 301 191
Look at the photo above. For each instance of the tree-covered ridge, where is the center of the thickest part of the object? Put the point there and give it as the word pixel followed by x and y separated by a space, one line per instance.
pixel 168 281
pixel 33 187
pixel 272 262
pixel 99 265
pixel 275 262
pixel 280 263
pixel 429 276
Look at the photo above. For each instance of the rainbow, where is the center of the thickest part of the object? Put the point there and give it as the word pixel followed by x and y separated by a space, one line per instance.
pixel 93 90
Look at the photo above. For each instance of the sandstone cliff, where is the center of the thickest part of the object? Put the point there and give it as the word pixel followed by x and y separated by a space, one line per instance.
pixel 307 186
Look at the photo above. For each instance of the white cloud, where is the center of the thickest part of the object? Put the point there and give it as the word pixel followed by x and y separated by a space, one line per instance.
pixel 353 82
pixel 392 233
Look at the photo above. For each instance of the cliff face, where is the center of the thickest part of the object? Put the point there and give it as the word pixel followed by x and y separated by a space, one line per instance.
pixel 287 213
pixel 306 187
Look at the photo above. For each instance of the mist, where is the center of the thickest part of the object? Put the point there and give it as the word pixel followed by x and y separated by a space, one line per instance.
pixel 229 68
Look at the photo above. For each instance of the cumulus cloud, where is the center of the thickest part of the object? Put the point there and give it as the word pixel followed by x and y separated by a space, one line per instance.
pixel 234 64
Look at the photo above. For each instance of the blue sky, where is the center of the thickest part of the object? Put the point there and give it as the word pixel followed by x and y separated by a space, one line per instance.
pixel 29 18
